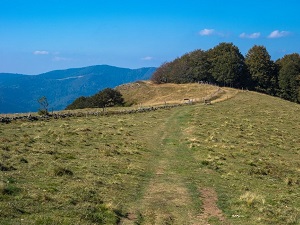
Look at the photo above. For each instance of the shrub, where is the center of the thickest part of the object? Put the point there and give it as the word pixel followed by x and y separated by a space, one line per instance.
pixel 43 112
pixel 105 98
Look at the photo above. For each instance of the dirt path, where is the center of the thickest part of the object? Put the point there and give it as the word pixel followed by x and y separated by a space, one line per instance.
pixel 210 209
pixel 171 197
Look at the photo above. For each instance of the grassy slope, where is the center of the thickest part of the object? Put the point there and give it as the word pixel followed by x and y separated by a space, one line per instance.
pixel 148 93
pixel 150 168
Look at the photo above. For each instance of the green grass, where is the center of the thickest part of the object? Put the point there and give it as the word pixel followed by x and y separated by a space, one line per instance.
pixel 149 168
pixel 251 150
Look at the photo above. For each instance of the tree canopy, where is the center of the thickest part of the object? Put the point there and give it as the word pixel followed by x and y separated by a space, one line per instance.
pixel 225 65
pixel 261 69
pixel 105 98
pixel 289 77
pixel 191 67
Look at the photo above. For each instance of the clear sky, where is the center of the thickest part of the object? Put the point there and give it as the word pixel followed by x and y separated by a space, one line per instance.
pixel 41 35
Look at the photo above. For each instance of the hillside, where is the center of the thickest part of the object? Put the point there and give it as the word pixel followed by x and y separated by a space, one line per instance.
pixel 233 162
pixel 224 65
pixel 19 93
pixel 148 93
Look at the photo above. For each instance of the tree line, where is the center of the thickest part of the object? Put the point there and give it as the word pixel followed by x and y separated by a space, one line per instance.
pixel 226 66
pixel 105 98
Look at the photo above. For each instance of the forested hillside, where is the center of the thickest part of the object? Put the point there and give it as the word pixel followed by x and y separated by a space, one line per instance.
pixel 226 66
pixel 19 93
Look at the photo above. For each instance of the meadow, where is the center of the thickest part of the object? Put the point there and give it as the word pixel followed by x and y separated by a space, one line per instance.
pixel 233 162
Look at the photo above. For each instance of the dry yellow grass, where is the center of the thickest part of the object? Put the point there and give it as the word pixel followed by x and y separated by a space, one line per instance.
pixel 148 93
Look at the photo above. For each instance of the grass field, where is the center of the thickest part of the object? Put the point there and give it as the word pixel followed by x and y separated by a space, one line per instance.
pixel 147 93
pixel 233 162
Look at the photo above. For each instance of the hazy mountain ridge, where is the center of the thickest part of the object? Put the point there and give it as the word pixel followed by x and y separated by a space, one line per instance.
pixel 19 93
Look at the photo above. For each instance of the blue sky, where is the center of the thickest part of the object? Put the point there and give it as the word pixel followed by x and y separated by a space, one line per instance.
pixel 38 36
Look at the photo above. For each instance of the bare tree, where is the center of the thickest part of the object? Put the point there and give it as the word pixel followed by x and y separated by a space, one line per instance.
pixel 44 105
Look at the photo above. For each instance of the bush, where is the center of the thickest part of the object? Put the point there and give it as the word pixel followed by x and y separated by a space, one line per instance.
pixel 43 112
pixel 105 98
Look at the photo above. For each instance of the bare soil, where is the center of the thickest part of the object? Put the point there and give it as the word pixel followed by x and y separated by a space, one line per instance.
pixel 210 209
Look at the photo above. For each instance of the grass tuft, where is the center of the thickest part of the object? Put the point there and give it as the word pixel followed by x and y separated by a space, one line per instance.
pixel 9 189
pixel 252 199
pixel 60 171
pixel 102 215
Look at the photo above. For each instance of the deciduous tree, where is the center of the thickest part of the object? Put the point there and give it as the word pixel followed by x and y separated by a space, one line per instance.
pixel 199 66
pixel 162 74
pixel 289 77
pixel 261 69
pixel 80 103
pixel 191 67
pixel 227 64
pixel 44 105
pixel 105 98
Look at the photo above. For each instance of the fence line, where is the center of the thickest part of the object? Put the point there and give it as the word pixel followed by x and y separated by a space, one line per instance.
pixel 62 115
pixel 85 114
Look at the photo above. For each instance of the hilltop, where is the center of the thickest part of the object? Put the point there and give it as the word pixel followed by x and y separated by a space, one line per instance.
pixel 148 93
pixel 19 93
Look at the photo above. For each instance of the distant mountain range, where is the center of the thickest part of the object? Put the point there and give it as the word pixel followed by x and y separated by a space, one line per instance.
pixel 19 92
